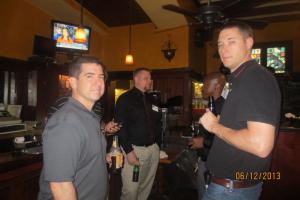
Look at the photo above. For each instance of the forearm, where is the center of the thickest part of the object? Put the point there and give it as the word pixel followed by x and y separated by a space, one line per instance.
pixel 248 140
pixel 63 190
pixel 124 141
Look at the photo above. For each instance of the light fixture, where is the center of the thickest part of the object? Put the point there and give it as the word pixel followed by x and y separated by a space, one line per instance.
pixel 129 57
pixel 169 49
pixel 80 34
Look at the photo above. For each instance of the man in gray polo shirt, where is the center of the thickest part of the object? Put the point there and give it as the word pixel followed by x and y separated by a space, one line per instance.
pixel 74 147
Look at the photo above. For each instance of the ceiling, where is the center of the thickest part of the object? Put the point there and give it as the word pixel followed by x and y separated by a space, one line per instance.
pixel 116 12
pixel 124 12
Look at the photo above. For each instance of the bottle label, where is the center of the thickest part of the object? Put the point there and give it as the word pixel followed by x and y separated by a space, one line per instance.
pixel 119 160
pixel 116 159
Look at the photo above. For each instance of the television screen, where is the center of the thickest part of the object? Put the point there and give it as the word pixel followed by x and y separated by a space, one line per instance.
pixel 71 37
pixel 43 46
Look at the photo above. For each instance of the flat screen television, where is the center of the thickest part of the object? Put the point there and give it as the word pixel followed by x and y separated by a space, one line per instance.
pixel 43 46
pixel 68 37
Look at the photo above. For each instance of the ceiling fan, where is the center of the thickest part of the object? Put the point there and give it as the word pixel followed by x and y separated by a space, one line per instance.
pixel 212 15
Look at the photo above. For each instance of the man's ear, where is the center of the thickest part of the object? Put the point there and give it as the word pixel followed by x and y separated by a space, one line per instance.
pixel 73 82
pixel 136 79
pixel 249 42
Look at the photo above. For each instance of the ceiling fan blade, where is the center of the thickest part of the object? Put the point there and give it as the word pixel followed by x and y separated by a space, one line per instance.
pixel 255 24
pixel 231 6
pixel 179 10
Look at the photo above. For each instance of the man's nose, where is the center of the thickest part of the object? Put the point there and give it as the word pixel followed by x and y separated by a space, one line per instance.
pixel 98 81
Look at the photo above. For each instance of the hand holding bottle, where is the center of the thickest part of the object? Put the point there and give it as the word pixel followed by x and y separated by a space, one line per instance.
pixel 196 142
pixel 209 119
pixel 132 158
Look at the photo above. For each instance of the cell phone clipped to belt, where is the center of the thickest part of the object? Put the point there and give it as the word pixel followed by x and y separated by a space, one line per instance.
pixel 207 178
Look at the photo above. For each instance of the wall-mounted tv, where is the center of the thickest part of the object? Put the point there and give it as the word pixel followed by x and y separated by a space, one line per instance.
pixel 69 38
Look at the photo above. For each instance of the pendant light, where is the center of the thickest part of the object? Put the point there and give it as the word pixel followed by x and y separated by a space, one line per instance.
pixel 129 57
pixel 80 34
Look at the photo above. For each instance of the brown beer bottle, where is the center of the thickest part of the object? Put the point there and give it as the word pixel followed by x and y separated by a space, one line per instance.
pixel 212 105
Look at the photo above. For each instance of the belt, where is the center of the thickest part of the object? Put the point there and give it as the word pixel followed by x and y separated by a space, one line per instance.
pixel 144 145
pixel 232 183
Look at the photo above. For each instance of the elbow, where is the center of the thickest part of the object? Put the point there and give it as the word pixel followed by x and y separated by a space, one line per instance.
pixel 263 152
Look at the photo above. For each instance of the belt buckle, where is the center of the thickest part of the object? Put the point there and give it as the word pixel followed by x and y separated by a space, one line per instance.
pixel 229 184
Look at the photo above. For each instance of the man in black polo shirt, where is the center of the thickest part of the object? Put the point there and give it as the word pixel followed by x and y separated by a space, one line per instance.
pixel 139 135
pixel 248 123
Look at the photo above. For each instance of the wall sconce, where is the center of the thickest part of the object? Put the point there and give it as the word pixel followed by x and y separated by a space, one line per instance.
pixel 169 50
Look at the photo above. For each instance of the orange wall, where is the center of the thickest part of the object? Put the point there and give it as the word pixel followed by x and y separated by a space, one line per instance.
pixel 273 32
pixel 20 21
pixel 146 47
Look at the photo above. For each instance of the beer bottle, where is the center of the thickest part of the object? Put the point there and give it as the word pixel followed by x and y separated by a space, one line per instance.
pixel 211 105
pixel 116 156
pixel 135 174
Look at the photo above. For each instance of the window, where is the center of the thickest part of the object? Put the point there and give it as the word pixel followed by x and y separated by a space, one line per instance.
pixel 276 55
pixel 276 58
pixel 256 54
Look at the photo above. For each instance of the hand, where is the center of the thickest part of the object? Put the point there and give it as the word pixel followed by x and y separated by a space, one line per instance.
pixel 209 120
pixel 108 159
pixel 112 127
pixel 132 159
pixel 196 142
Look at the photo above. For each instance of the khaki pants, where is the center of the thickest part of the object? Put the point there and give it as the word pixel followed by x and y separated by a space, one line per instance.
pixel 148 158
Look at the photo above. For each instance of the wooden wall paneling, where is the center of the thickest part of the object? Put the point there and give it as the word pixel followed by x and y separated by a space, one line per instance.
pixel 47 91
pixel 173 83
pixel 286 161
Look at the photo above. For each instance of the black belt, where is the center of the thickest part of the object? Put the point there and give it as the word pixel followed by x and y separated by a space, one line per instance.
pixel 232 183
pixel 144 145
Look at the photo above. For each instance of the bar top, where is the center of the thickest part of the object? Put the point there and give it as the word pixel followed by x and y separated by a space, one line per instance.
pixel 14 160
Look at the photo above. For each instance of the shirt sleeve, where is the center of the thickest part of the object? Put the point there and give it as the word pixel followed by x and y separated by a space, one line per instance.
pixel 261 102
pixel 61 152
pixel 121 115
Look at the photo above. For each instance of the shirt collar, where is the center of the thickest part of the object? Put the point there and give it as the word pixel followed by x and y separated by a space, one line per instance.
pixel 81 107
pixel 240 70
pixel 137 91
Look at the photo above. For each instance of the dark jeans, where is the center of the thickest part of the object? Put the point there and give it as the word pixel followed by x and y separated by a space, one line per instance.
pixel 218 192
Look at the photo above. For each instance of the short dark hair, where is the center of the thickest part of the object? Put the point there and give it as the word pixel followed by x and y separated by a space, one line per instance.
pixel 75 65
pixel 245 29
pixel 138 70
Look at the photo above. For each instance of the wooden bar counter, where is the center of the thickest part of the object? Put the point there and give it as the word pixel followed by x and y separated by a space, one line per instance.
pixel 19 176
